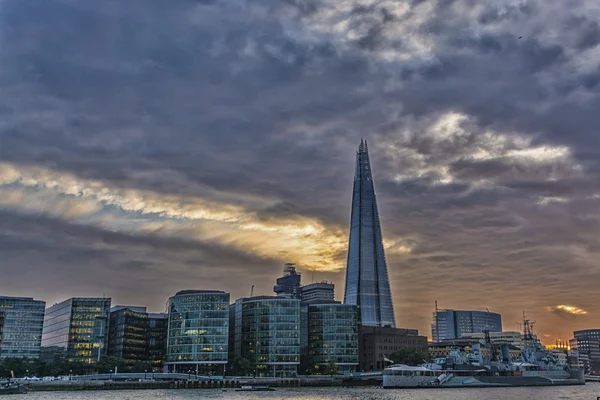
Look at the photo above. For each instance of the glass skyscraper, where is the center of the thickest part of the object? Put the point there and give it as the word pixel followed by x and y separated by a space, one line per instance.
pixel 198 333
pixel 21 321
pixel 77 329
pixel 367 283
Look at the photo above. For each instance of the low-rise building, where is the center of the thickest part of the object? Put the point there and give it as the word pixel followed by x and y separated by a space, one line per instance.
pixel 375 343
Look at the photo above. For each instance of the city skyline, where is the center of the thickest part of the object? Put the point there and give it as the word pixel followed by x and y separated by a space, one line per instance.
pixel 214 142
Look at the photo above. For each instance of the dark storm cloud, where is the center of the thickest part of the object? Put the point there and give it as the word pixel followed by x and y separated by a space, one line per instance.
pixel 231 101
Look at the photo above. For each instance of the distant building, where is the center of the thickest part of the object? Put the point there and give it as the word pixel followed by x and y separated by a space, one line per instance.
pixel 289 284
pixel 77 329
pixel 137 336
pixel 442 349
pixel 588 345
pixel 21 322
pixel 375 343
pixel 514 339
pixel 453 324
pixel 266 331
pixel 333 335
pixel 318 292
pixel 367 282
pixel 198 332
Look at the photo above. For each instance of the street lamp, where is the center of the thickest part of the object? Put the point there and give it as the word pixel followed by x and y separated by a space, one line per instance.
pixel 145 372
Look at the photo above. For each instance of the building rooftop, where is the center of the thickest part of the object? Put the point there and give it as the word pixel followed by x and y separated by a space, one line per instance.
pixel 194 291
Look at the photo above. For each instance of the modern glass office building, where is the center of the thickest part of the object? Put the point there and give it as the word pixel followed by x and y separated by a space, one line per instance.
pixel 128 334
pixel 267 332
pixel 453 324
pixel 367 283
pixel 333 335
pixel 138 336
pixel 198 332
pixel 21 322
pixel 158 324
pixel 77 328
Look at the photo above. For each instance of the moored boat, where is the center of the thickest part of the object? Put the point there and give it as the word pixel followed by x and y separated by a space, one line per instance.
pixel 12 387
pixel 536 367
pixel 254 388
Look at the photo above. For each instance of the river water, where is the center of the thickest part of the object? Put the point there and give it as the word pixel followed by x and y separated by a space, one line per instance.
pixel 587 392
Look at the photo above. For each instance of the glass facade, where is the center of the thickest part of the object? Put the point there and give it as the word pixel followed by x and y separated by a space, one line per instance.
pixel 267 332
pixel 137 336
pixel 128 334
pixel 198 332
pixel 158 324
pixel 333 335
pixel 21 322
pixel 367 282
pixel 453 324
pixel 78 328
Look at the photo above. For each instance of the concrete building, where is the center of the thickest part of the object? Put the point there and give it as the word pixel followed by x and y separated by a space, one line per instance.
pixel 377 342
pixel 514 339
pixel 266 331
pixel 289 284
pixel 198 332
pixel 442 349
pixel 453 324
pixel 318 292
pixel 76 329
pixel 21 322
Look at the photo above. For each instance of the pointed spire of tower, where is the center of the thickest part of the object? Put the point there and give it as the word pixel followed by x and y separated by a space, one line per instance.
pixel 367 282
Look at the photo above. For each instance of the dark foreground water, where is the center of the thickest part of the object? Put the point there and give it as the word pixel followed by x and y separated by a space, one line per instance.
pixel 587 392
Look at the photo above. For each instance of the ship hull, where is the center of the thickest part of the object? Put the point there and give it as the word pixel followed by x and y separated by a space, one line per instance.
pixel 541 378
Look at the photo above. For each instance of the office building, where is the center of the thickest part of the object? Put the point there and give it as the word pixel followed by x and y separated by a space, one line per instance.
pixel 21 322
pixel 375 343
pixel 137 336
pixel 588 346
pixel 266 331
pixel 127 333
pixel 289 284
pixel 318 292
pixel 333 336
pixel 453 324
pixel 77 328
pixel 367 282
pixel 198 332
pixel 158 324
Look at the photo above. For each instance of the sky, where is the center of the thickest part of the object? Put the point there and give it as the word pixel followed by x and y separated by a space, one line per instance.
pixel 149 146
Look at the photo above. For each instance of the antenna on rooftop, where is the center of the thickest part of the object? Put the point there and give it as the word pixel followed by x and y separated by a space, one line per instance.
pixel 252 291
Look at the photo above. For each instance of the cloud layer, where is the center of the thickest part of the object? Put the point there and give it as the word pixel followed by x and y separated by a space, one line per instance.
pixel 150 146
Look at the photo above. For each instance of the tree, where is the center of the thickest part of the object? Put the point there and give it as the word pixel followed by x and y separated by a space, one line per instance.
pixel 141 366
pixel 408 357
pixel 108 364
pixel 330 368
pixel 242 367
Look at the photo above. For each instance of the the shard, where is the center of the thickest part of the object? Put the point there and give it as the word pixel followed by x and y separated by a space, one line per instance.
pixel 367 283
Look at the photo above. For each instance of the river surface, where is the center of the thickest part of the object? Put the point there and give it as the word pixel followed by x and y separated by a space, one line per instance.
pixel 587 392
